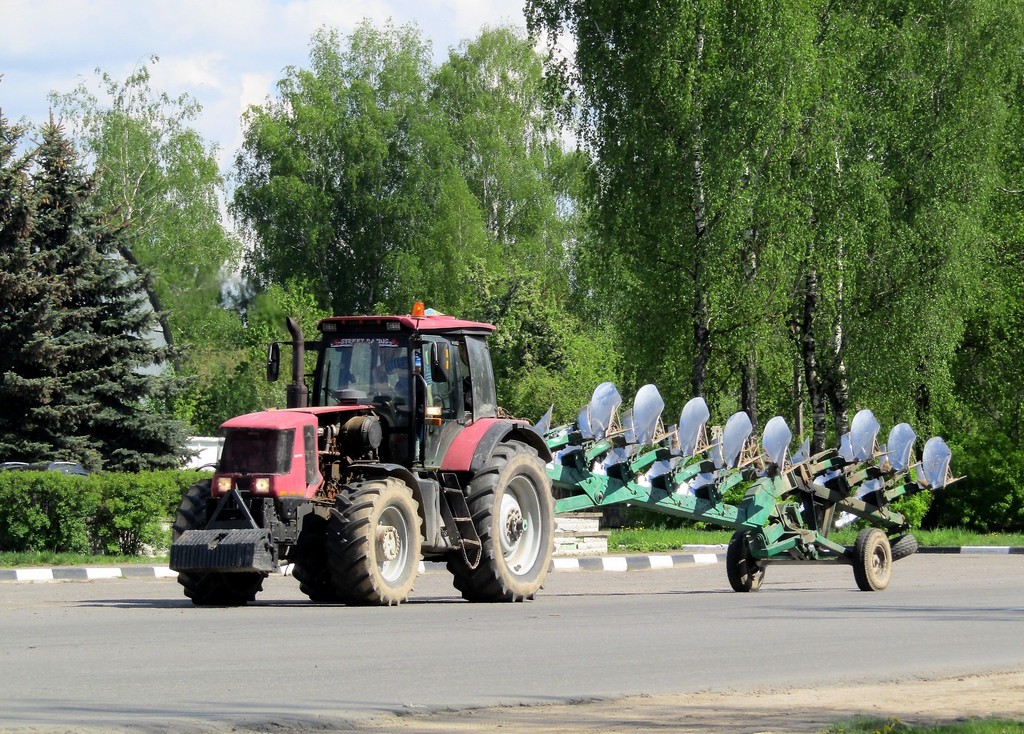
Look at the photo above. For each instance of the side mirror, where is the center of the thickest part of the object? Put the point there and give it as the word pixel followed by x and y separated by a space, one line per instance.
pixel 273 361
pixel 440 361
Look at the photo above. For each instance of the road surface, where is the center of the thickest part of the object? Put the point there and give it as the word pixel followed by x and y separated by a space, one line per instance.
pixel 133 654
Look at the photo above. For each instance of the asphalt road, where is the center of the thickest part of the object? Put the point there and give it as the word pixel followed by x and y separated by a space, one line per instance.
pixel 133 654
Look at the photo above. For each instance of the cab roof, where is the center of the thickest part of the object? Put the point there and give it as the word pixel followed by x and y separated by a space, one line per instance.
pixel 430 324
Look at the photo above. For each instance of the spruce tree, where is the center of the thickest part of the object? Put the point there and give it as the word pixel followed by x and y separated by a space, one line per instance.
pixel 22 305
pixel 83 378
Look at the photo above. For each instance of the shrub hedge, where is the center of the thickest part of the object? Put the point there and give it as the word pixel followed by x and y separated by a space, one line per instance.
pixel 123 514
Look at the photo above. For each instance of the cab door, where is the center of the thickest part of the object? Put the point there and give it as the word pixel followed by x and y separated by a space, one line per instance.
pixel 442 397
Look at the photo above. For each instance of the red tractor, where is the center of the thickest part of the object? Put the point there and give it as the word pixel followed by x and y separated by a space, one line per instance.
pixel 398 455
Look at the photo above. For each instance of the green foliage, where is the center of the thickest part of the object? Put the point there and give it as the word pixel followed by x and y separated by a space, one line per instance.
pixel 339 175
pixel 895 726
pixel 651 532
pixel 958 537
pixel 230 373
pixel 659 538
pixel 820 192
pixel 74 381
pixel 990 497
pixel 543 355
pixel 160 180
pixel 35 559
pixel 121 514
pixel 46 511
pixel 131 509
pixel 375 181
pixel 805 184
pixel 914 507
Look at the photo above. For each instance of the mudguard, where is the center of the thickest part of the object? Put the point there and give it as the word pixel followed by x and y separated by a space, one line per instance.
pixel 470 449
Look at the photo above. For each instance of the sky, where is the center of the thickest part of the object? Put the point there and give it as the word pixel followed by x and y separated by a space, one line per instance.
pixel 226 54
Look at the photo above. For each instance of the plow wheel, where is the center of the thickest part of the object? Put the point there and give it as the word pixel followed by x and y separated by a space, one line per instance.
pixel 872 560
pixel 743 570
pixel 511 505
pixel 211 588
pixel 373 543
pixel 311 569
pixel 903 546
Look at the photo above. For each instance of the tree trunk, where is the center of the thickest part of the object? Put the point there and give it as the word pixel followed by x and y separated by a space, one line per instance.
pixel 812 373
pixel 701 315
pixel 798 400
pixel 748 379
pixel 837 384
pixel 748 388
pixel 154 301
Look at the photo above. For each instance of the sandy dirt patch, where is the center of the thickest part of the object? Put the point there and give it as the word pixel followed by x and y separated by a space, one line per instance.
pixel 794 711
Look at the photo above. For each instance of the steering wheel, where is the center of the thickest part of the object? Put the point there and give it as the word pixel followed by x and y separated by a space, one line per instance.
pixel 384 403
pixel 347 393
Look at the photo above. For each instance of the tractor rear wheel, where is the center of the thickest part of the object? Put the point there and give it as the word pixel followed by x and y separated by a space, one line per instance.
pixel 311 569
pixel 743 570
pixel 511 505
pixel 872 560
pixel 211 588
pixel 373 543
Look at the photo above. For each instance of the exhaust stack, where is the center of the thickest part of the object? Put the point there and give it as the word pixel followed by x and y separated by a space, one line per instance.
pixel 298 393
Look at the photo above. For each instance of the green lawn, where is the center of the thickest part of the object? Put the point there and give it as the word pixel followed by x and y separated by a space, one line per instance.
pixel 655 540
pixel 45 558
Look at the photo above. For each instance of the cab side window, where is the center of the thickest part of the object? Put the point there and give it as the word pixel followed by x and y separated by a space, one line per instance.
pixel 444 395
pixel 485 402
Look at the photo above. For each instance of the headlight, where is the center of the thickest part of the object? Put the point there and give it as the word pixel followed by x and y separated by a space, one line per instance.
pixel 223 484
pixel 261 485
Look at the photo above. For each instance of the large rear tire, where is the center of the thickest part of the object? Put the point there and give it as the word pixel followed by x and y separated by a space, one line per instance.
pixel 211 588
pixel 872 560
pixel 374 543
pixel 513 510
pixel 743 570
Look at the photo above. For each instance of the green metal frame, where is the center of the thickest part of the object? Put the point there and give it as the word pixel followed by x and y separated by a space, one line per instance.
pixel 787 514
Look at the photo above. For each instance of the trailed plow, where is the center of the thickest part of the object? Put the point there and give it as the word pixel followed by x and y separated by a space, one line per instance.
pixel 783 507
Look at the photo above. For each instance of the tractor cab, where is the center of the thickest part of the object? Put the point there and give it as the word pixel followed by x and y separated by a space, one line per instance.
pixel 426 376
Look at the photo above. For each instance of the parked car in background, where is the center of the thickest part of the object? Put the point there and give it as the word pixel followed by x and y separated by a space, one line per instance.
pixel 64 467
pixel 13 465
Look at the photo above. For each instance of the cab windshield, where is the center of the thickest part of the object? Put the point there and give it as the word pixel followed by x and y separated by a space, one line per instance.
pixel 257 451
pixel 370 371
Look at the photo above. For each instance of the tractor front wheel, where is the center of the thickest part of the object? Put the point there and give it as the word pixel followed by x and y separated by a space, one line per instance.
pixel 374 543
pixel 211 588
pixel 311 569
pixel 513 510
pixel 743 570
pixel 872 560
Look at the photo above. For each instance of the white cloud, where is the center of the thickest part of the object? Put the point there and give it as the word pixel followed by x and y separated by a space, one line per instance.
pixel 226 53
pixel 188 72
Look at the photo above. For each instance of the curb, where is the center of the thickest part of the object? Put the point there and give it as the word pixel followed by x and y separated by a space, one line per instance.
pixel 974 549
pixel 634 563
pixel 78 573
pixel 615 564
pixel 590 563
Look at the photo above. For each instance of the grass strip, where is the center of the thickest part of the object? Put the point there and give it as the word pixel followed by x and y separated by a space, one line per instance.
pixel 895 726
pixel 660 539
pixel 46 558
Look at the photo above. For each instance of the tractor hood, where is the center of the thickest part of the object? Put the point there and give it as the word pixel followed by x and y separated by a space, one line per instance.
pixel 290 417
